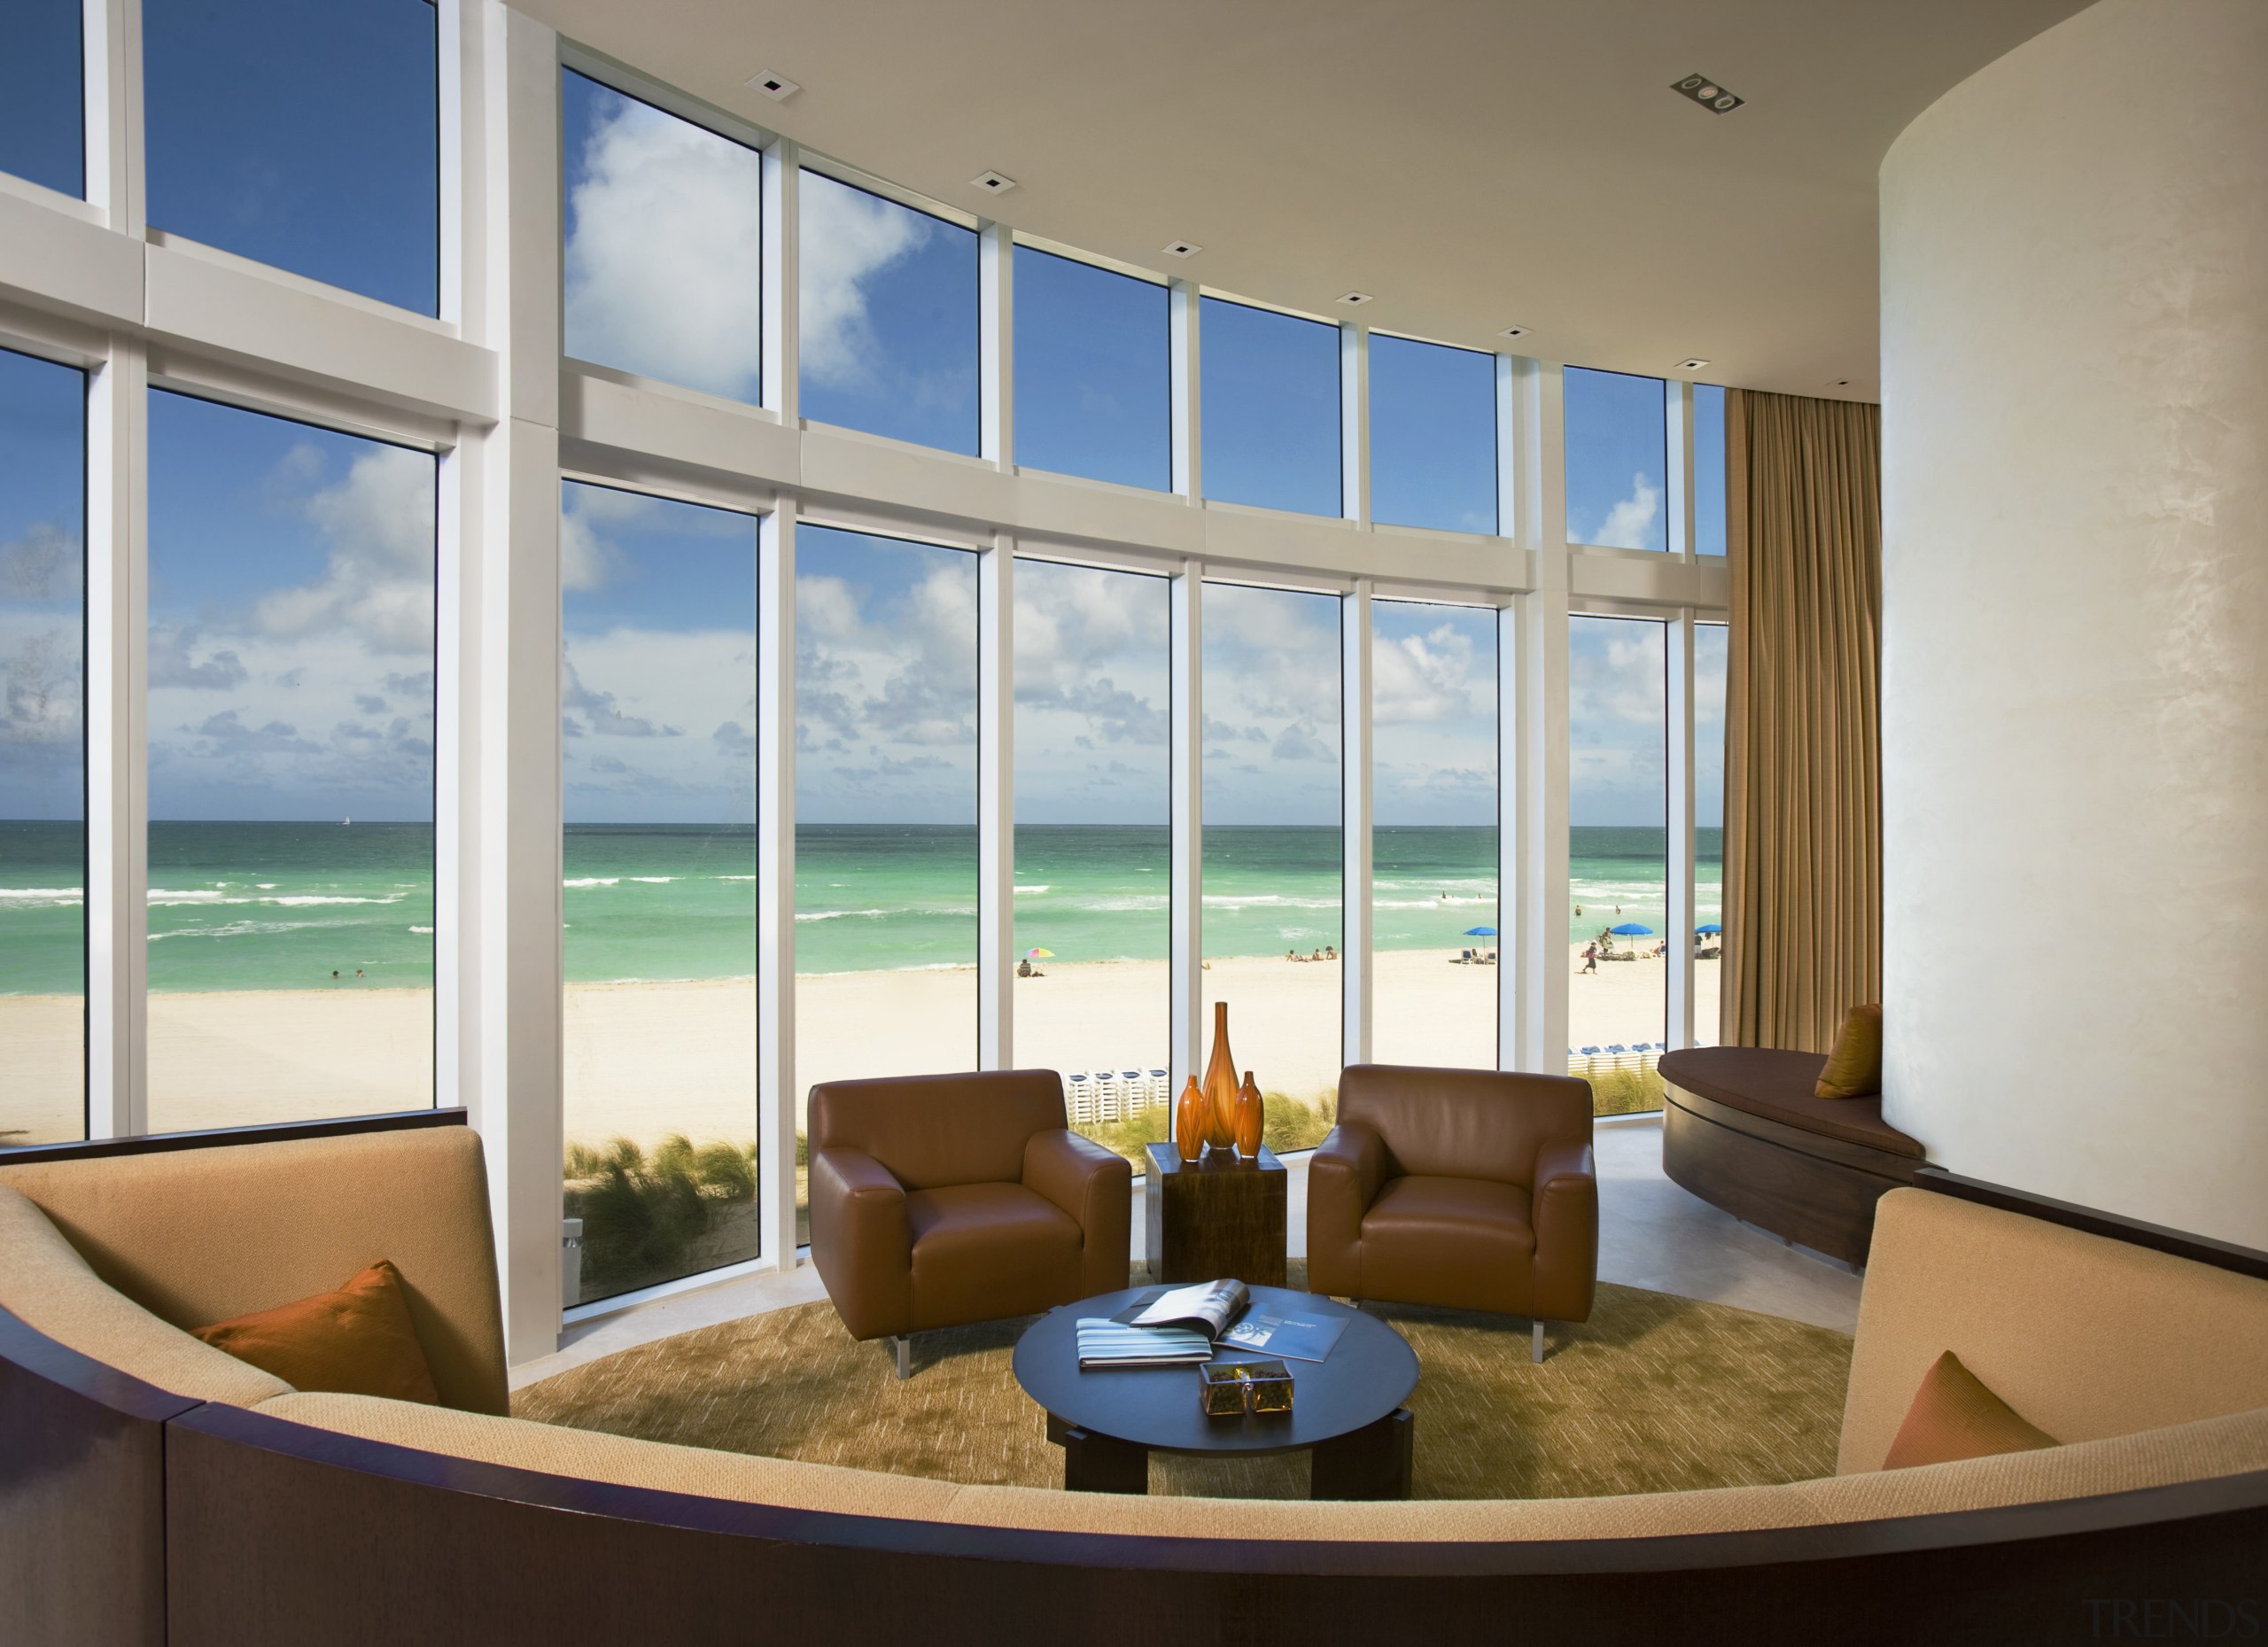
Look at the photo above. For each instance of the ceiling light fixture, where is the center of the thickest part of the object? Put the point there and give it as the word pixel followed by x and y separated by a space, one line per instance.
pixel 1707 93
pixel 1181 248
pixel 1516 332
pixel 1351 298
pixel 1693 365
pixel 1840 382
pixel 779 87
pixel 992 182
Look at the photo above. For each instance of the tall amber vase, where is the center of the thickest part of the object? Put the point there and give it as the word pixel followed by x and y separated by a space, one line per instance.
pixel 1190 1117
pixel 1220 1085
pixel 1252 1118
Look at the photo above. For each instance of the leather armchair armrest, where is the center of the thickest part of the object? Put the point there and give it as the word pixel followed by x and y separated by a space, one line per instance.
pixel 862 1242
pixel 1566 1231
pixel 1096 1188
pixel 1344 1176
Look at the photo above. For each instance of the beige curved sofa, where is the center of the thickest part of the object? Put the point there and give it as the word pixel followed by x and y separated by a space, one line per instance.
pixel 2153 1368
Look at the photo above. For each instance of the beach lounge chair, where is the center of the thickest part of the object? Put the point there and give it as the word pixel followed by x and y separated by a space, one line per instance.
pixel 1079 1098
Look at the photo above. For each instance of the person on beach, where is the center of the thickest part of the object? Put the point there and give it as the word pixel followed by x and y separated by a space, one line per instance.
pixel 1291 954
pixel 1317 955
pixel 1330 953
pixel 1590 958
pixel 1023 968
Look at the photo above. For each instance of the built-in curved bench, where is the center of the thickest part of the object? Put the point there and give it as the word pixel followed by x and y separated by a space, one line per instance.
pixel 1742 1129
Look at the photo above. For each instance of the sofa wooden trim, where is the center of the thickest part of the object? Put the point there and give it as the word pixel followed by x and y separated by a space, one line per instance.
pixel 2179 1243
pixel 165 1143
pixel 1801 1185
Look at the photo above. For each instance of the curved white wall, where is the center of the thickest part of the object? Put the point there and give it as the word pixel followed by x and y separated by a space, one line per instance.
pixel 2075 693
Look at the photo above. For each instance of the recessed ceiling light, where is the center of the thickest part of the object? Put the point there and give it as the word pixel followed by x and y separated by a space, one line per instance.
pixel 1707 93
pixel 1181 248
pixel 1840 382
pixel 779 87
pixel 1516 332
pixel 992 182
pixel 1693 365
pixel 1350 298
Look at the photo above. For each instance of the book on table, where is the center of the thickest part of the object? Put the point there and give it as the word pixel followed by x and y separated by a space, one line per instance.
pixel 1180 1326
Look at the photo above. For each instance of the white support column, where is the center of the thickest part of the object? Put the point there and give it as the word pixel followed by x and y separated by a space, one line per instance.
pixel 1187 740
pixel 778 1095
pixel 1512 487
pixel 1183 307
pixel 995 347
pixel 1534 990
pixel 1513 969
pixel 783 163
pixel 112 47
pixel 458 34
pixel 1354 422
pixel 1678 485
pixel 516 1102
pixel 1679 660
pixel 1355 821
pixel 118 824
pixel 996 804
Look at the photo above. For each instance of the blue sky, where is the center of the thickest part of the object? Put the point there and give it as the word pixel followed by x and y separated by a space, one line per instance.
pixel 41 134
pixel 1433 713
pixel 301 135
pixel 1617 697
pixel 1093 694
pixel 1617 433
pixel 1271 706
pixel 1268 386
pixel 1093 373
pixel 657 677
pixel 43 532
pixel 1432 436
pixel 291 620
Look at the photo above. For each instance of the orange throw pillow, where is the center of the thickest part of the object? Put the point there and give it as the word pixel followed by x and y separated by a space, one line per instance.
pixel 357 1340
pixel 1854 1068
pixel 1955 1417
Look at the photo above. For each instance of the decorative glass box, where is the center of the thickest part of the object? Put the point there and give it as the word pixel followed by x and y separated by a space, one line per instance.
pixel 1228 1389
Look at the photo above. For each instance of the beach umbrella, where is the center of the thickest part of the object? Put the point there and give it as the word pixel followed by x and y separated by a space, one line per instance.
pixel 1631 929
pixel 1710 931
pixel 1480 932
pixel 1039 954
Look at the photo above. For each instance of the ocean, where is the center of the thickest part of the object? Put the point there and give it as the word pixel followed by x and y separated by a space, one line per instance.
pixel 285 905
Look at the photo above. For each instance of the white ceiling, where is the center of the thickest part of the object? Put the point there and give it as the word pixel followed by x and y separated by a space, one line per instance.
pixel 1475 164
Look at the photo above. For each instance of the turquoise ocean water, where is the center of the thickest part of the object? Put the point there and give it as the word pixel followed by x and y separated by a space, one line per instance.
pixel 268 906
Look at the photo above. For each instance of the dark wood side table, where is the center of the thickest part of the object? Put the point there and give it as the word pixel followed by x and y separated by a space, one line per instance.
pixel 1217 1216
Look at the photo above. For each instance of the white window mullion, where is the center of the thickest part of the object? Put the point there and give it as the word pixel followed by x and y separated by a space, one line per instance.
pixel 777 1093
pixel 1354 422
pixel 113 56
pixel 1355 821
pixel 996 804
pixel 1184 305
pixel 996 354
pixel 1679 656
pixel 1536 995
pixel 1187 740
pixel 783 162
pixel 117 749
pixel 1678 484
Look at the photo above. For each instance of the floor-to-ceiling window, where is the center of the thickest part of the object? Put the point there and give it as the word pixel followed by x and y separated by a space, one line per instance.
pixel 1434 908
pixel 1432 436
pixel 885 323
pixel 1618 460
pixel 1710 657
pixel 1709 476
pixel 886 888
pixel 43 751
pixel 41 91
pixel 1094 880
pixel 1093 372
pixel 663 237
pixel 1273 872
pixel 290 715
pixel 1269 392
pixel 1617 852
pixel 657 624
pixel 302 136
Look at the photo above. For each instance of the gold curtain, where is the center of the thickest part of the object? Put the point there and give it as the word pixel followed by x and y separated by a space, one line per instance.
pixel 1803 784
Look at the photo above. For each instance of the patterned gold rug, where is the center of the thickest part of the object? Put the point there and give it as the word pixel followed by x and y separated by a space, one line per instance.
pixel 1653 1393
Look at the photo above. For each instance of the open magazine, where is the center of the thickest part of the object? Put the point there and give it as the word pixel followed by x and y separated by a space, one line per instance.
pixel 1165 1328
pixel 1207 1308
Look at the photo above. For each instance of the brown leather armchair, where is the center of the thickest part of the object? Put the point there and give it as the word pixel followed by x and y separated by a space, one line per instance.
pixel 1460 1187
pixel 940 1199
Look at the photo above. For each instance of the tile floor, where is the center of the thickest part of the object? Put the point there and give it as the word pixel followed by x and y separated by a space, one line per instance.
pixel 1651 1234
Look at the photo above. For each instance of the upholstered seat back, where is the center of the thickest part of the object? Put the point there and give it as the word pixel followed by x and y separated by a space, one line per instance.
pixel 932 1131
pixel 2086 1337
pixel 1465 1123
pixel 196 1236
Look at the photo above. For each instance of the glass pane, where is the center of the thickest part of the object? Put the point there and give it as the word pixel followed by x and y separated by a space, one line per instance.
pixel 302 136
pixel 290 715
pixel 1708 469
pixel 885 808
pixel 1093 372
pixel 1273 887
pixel 887 317
pixel 1617 853
pixel 1094 877
pixel 1434 836
pixel 42 91
pixel 1618 452
pixel 1270 390
pixel 1711 652
pixel 43 751
pixel 1432 436
pixel 657 623
pixel 663 234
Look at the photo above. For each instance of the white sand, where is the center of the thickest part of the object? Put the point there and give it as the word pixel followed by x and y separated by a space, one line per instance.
pixel 647 1059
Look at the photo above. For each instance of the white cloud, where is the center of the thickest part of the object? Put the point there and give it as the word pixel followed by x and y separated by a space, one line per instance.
pixel 1629 524
pixel 662 271
pixel 378 583
pixel 848 237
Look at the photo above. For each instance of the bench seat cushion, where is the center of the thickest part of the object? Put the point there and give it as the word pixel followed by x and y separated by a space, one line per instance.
pixel 1777 1086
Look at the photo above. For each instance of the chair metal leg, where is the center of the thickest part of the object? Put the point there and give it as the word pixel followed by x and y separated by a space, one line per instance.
pixel 1536 1354
pixel 903 1344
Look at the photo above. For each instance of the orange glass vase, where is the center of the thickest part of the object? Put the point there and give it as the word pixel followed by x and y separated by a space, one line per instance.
pixel 1252 1118
pixel 1220 1085
pixel 1190 1117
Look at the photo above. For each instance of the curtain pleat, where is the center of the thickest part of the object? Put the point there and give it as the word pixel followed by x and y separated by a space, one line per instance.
pixel 1803 787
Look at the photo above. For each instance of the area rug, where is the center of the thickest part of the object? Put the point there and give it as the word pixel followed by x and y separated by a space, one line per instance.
pixel 1652 1394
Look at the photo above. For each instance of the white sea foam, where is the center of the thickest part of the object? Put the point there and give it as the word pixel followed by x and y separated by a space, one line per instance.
pixel 1042 887
pixel 837 915
pixel 736 877
pixel 422 932
pixel 163 895
pixel 43 895
pixel 307 899
pixel 593 880
pixel 654 880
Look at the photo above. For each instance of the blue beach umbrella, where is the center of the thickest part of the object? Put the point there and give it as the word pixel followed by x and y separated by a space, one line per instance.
pixel 1712 929
pixel 1631 929
pixel 1480 932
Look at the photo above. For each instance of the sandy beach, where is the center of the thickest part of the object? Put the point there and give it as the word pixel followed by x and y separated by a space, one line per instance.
pixel 647 1059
